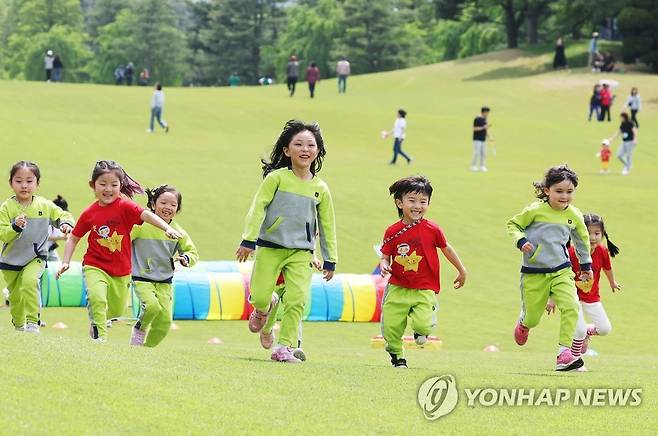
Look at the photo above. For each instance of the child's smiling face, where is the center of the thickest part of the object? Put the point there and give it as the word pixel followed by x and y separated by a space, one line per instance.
pixel 302 150
pixel 107 188
pixel 414 206
pixel 560 194
pixel 166 206
pixel 24 183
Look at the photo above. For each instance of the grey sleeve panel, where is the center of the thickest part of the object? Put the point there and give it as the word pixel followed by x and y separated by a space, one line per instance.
pixel 290 221
pixel 152 258
pixel 550 241
pixel 29 244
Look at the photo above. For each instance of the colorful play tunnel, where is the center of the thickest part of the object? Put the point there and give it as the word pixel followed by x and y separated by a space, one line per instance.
pixel 219 290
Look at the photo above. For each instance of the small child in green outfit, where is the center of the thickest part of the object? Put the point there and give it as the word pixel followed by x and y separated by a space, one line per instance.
pixel 409 255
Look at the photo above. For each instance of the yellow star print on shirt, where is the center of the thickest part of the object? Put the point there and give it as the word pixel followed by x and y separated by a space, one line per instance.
pixel 410 262
pixel 113 243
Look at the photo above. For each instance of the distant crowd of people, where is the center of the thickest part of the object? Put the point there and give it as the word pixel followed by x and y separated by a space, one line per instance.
pixel 313 75
pixel 125 73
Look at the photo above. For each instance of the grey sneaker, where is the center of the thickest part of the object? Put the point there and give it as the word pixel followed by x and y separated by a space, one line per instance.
pixel 299 353
pixel 32 327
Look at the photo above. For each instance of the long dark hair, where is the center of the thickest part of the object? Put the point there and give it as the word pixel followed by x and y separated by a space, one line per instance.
pixel 592 219
pixel 155 193
pixel 553 176
pixel 129 186
pixel 278 159
pixel 31 166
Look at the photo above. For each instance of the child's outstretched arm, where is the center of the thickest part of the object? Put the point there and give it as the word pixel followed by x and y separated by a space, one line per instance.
pixel 453 258
pixel 69 249
pixel 158 222
pixel 385 265
pixel 611 279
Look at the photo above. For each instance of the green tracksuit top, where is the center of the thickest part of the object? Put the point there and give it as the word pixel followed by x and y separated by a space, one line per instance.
pixel 287 212
pixel 153 252
pixel 21 246
pixel 550 231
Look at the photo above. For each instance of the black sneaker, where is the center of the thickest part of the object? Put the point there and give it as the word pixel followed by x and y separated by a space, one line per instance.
pixel 398 363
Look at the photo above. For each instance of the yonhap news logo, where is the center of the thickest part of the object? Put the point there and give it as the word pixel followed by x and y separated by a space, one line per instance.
pixel 438 396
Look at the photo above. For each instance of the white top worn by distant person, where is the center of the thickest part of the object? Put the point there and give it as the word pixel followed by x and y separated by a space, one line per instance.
pixel 343 68
pixel 158 99
pixel 48 61
pixel 399 128
pixel 634 102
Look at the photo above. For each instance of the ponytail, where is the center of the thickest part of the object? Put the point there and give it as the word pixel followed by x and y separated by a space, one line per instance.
pixel 612 248
pixel 130 186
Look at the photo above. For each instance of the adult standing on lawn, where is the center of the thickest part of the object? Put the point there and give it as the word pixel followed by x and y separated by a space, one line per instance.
pixel 48 62
pixel 312 77
pixel 480 135
pixel 292 73
pixel 606 98
pixel 628 133
pixel 560 59
pixel 342 70
pixel 593 50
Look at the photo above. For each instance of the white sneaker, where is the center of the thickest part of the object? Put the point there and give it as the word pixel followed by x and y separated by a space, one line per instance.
pixel 624 172
pixel 474 168
pixel 149 131
pixel 99 340
pixel 420 339
pixel 483 169
pixel 20 328
pixel 108 324
pixel 32 327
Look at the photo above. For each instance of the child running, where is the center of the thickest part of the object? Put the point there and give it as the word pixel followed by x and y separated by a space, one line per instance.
pixel 542 231
pixel 588 292
pixel 409 255
pixel 292 203
pixel 153 257
pixel 106 265
pixel 604 154
pixel 25 221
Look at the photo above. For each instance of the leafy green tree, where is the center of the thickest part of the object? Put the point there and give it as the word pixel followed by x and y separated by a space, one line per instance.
pixel 145 34
pixel 41 25
pixel 373 36
pixel 638 24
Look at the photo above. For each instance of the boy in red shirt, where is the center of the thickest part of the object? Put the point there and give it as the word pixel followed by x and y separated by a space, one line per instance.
pixel 604 154
pixel 409 255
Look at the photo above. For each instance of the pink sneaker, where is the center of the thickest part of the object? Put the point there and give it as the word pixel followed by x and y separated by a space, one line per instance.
pixel 137 337
pixel 266 339
pixel 284 354
pixel 521 333
pixel 567 362
pixel 258 319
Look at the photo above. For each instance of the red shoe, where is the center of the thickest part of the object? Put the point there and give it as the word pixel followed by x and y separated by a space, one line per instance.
pixel 521 333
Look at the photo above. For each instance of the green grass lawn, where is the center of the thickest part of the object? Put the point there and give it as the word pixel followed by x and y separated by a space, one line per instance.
pixel 60 383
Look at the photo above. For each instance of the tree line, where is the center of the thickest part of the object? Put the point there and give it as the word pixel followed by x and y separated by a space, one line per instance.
pixel 202 42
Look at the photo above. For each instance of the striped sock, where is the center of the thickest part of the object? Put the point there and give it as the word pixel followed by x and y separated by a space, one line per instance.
pixel 576 347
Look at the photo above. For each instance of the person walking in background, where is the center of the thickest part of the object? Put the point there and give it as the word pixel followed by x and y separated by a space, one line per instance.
pixel 595 103
pixel 592 50
pixel 628 134
pixel 292 74
pixel 480 135
pixel 342 70
pixel 57 69
pixel 234 79
pixel 560 59
pixel 312 77
pixel 48 63
pixel 119 72
pixel 399 134
pixel 157 106
pixel 606 99
pixel 128 74
pixel 634 103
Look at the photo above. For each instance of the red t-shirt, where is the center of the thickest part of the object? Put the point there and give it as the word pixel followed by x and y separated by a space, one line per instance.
pixel 415 260
pixel 109 235
pixel 600 259
pixel 605 154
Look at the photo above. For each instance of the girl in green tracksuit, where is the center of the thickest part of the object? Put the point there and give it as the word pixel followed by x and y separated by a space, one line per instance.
pixel 542 231
pixel 291 204
pixel 153 257
pixel 25 221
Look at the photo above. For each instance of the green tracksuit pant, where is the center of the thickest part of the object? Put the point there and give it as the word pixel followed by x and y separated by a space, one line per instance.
pixel 295 265
pixel 269 325
pixel 400 303
pixel 535 291
pixel 25 292
pixel 155 310
pixel 107 297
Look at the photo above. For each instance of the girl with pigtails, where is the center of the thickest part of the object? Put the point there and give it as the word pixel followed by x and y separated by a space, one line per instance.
pixel 107 264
